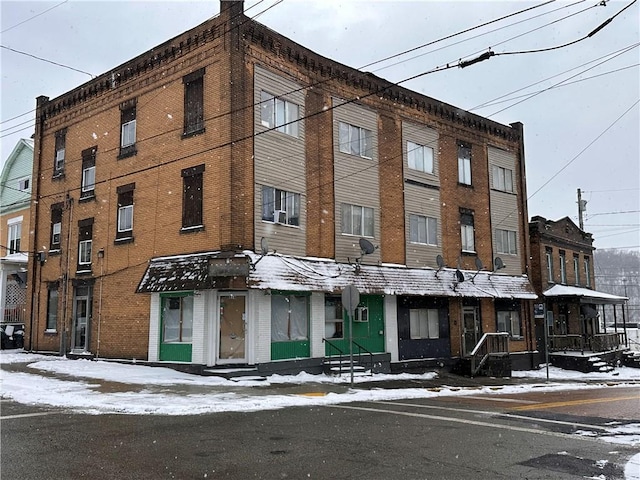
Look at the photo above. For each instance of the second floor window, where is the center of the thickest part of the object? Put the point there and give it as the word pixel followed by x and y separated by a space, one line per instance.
pixel 15 234
pixel 192 197
pixel 125 212
pixel 419 157
pixel 467 235
pixel 356 140
pixel 58 162
pixel 587 272
pixel 549 258
pixel 464 164
pixel 576 269
pixel 280 206
pixel 85 243
pixel 194 102
pixel 506 242
pixel 56 227
pixel 88 173
pixel 563 268
pixel 357 220
pixel 278 113
pixel 423 229
pixel 502 179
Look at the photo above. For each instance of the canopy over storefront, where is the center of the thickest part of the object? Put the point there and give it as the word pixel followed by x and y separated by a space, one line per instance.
pixel 280 272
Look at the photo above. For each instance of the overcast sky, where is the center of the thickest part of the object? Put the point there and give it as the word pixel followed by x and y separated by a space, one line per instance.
pixel 579 104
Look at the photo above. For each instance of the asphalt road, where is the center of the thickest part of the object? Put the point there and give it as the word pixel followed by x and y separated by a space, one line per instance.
pixel 527 436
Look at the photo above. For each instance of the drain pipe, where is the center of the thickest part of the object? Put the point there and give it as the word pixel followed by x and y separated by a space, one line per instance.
pixel 101 257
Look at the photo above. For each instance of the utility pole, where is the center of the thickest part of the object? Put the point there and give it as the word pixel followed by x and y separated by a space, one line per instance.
pixel 582 207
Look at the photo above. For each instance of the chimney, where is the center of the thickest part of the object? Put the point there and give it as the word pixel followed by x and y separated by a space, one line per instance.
pixel 231 9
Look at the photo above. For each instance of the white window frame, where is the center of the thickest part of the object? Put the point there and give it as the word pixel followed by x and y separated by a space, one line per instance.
pixel 361 146
pixel 509 321
pixel 60 159
pixel 587 271
pixel 280 114
pixel 464 166
pixel 506 242
pixel 467 238
pixel 128 135
pixel 125 214
pixel 427 229
pixel 14 235
pixel 281 200
pixel 357 224
pixel 576 269
pixel 502 179
pixel 84 252
pixel 23 184
pixel 424 323
pixel 563 268
pixel 549 257
pixel 56 230
pixel 419 157
pixel 89 179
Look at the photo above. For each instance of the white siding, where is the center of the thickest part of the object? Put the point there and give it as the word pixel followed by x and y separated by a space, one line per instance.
pixel 391 326
pixel 154 327
pixel 356 179
pixel 280 163
pixel 504 209
pixel 261 313
pixel 317 325
pixel 199 320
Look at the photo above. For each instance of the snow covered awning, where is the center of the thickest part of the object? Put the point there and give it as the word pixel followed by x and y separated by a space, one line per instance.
pixel 280 272
pixel 584 294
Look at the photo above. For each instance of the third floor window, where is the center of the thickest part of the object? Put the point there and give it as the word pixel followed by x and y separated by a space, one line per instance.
pixel 279 114
pixel 356 140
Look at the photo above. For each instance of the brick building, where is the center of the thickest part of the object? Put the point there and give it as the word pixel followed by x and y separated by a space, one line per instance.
pixel 206 203
pixel 562 273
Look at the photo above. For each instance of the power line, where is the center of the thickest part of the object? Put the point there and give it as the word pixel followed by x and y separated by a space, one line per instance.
pixel 35 16
pixel 47 61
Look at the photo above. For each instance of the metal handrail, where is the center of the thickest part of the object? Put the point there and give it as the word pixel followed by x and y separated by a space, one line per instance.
pixel 363 349
pixel 342 356
pixel 340 353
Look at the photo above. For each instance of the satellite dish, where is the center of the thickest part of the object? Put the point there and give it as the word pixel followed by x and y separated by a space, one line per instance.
pixel 366 246
pixel 459 276
pixel 440 262
pixel 479 265
pixel 498 263
pixel 264 246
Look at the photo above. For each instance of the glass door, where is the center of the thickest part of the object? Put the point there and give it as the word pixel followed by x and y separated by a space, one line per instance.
pixel 232 323
pixel 81 317
pixel 471 329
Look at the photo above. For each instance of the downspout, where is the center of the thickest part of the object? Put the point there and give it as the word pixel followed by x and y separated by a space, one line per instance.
pixel 65 280
pixel 41 102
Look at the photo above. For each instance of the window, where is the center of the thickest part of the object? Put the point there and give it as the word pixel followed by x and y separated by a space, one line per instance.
pixel 333 317
pixel 423 323
pixel 576 269
pixel 52 307
pixel 423 229
pixel 355 140
pixel 289 318
pixel 56 227
pixel 127 128
pixel 464 164
pixel 88 173
pixel 502 179
pixel 506 242
pixel 14 226
pixel 549 257
pixel 58 162
pixel 194 102
pixel 177 319
pixel 23 185
pixel 467 235
pixel 587 272
pixel 420 157
pixel 124 221
pixel 85 240
pixel 509 321
pixel 357 220
pixel 563 268
pixel 279 114
pixel 192 197
pixel 280 206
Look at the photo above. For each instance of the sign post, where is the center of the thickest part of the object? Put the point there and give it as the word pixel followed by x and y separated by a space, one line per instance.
pixel 350 301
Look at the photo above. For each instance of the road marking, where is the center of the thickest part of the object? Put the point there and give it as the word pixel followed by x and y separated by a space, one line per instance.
pixel 499 414
pixel 468 422
pixel 569 403
pixel 490 399
pixel 26 415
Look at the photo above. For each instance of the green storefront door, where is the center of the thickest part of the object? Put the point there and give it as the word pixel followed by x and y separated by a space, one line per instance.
pixel 369 333
pixel 176 327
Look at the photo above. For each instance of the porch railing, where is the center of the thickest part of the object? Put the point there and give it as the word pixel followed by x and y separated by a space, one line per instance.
pixel 599 342
pixel 490 344
pixel 14 314
pixel 566 342
pixel 603 342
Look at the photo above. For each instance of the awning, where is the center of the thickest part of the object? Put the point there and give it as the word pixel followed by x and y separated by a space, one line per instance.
pixel 585 295
pixel 281 272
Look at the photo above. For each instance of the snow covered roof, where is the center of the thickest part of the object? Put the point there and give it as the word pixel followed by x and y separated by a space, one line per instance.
pixel 586 295
pixel 281 272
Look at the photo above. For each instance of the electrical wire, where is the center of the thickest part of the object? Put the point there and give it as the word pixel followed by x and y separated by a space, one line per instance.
pixel 47 61
pixel 31 18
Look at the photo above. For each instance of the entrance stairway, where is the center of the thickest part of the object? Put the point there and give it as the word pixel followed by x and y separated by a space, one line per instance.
pixel 490 357
pixel 338 362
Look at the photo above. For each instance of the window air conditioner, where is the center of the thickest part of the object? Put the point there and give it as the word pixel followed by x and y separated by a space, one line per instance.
pixel 280 216
pixel 361 315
